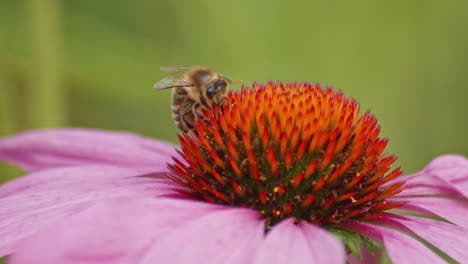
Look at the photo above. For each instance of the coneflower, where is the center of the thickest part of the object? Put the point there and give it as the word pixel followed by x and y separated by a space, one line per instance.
pixel 287 173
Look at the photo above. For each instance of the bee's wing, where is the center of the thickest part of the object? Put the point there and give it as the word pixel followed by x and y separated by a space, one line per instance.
pixel 174 68
pixel 176 79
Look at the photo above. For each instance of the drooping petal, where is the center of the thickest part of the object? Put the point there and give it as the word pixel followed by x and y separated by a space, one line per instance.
pixel 451 169
pixel 299 243
pixel 228 236
pixel 449 238
pixel 366 257
pixel 447 162
pixel 450 209
pixel 30 203
pixel 444 175
pixel 116 231
pixel 401 248
pixel 79 177
pixel 461 185
pixel 427 185
pixel 45 149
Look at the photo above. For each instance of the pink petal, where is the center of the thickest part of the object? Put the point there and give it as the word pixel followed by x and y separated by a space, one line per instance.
pixel 299 243
pixel 454 175
pixel 449 238
pixel 115 231
pixel 452 210
pixel 79 175
pixel 445 175
pixel 447 162
pixel 225 236
pixel 461 183
pixel 31 203
pixel 367 257
pixel 452 170
pixel 425 184
pixel 44 149
pixel 400 248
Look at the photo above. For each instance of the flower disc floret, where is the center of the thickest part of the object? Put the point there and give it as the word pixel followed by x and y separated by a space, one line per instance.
pixel 293 150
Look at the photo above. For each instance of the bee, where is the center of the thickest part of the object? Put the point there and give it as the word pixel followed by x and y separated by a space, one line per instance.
pixel 194 89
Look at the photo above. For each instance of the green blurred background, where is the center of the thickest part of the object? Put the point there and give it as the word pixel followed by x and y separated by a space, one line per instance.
pixel 93 63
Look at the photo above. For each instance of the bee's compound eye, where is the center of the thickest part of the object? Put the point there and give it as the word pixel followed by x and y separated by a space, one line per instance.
pixel 215 87
pixel 211 90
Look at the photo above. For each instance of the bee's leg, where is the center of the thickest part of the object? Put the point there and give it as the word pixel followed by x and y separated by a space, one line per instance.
pixel 187 108
pixel 198 112
pixel 224 100
pixel 186 117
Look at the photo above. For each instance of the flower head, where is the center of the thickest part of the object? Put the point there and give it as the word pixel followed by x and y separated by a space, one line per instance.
pixel 293 150
pixel 274 176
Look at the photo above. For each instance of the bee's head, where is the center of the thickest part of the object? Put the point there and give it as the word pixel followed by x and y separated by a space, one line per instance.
pixel 217 91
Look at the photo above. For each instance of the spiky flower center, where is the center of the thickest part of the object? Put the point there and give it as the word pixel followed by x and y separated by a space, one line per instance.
pixel 293 150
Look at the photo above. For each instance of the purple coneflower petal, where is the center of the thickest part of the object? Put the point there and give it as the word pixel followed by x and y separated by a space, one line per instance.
pixel 449 238
pixel 30 203
pixel 437 190
pixel 83 177
pixel 444 175
pixel 366 257
pixel 452 169
pixel 447 162
pixel 45 149
pixel 303 243
pixel 423 184
pixel 445 208
pixel 401 248
pixel 121 231
pixel 225 236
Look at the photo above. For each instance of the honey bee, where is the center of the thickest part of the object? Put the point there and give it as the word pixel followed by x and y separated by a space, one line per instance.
pixel 194 89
